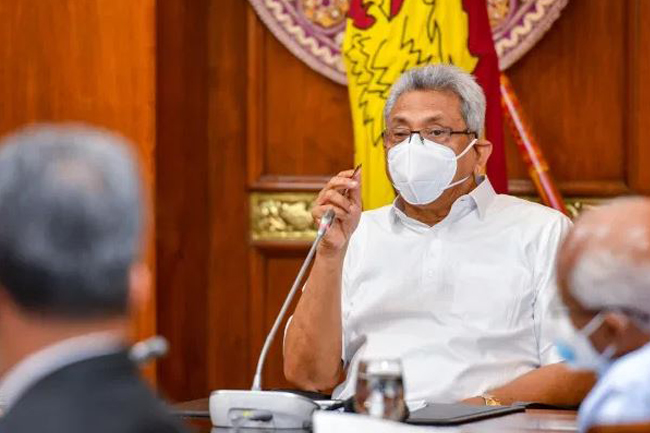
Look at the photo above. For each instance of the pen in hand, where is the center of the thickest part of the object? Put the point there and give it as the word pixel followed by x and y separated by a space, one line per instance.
pixel 329 216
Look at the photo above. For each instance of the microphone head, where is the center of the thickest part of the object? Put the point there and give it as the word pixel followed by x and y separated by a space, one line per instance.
pixel 326 221
pixel 149 349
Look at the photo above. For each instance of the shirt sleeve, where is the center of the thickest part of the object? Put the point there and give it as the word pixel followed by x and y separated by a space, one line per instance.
pixel 622 406
pixel 547 299
pixel 621 396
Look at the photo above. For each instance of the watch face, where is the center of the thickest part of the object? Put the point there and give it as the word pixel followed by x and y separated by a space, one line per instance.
pixel 490 400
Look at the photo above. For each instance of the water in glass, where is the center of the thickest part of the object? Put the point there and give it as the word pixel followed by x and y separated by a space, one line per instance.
pixel 380 389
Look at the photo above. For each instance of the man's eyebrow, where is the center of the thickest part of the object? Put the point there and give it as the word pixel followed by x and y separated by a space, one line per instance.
pixel 402 119
pixel 399 119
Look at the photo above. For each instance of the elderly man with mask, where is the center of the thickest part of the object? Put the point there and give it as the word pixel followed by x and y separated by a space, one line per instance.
pixel 604 279
pixel 453 279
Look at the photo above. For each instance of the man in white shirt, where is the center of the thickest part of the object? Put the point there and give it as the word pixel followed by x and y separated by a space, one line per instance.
pixel 452 278
pixel 604 278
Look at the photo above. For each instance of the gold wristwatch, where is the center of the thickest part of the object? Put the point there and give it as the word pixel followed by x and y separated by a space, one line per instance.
pixel 490 400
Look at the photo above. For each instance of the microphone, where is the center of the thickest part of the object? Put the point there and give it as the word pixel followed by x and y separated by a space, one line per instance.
pixel 325 224
pixel 149 349
pixel 239 408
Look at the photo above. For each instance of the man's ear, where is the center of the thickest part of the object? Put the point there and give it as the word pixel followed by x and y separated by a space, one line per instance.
pixel 484 150
pixel 622 331
pixel 616 323
pixel 139 286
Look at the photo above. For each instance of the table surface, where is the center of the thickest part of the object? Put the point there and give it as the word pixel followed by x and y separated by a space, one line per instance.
pixel 530 421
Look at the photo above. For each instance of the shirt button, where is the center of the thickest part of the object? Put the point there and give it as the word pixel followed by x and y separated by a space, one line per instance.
pixel 430 273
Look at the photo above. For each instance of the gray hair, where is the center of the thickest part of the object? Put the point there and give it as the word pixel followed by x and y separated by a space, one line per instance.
pixel 612 270
pixel 443 78
pixel 603 279
pixel 70 220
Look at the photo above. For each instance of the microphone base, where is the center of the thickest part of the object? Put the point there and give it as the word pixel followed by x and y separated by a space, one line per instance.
pixel 260 409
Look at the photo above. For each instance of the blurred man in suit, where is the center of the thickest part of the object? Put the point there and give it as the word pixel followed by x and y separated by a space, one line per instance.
pixel 604 278
pixel 71 229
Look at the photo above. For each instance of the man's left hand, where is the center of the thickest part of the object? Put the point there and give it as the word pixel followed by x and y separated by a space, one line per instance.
pixel 474 401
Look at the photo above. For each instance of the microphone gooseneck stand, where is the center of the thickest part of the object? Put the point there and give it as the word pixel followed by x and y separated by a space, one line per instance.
pixel 264 409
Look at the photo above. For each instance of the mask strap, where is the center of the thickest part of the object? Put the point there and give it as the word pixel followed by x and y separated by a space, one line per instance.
pixel 593 324
pixel 591 327
pixel 469 146
pixel 458 182
pixel 609 351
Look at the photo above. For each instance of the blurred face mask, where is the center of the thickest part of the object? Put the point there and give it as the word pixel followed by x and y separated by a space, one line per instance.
pixel 422 170
pixel 578 351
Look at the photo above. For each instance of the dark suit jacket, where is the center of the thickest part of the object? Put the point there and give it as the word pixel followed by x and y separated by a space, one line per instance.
pixel 99 395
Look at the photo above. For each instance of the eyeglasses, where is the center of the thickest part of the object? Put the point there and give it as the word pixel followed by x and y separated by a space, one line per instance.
pixel 436 133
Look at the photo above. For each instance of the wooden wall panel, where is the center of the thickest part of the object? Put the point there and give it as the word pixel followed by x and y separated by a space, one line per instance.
pixel 317 145
pixel 229 290
pixel 85 61
pixel 182 210
pixel 573 87
pixel 307 131
pixel 202 209
pixel 281 267
pixel 639 97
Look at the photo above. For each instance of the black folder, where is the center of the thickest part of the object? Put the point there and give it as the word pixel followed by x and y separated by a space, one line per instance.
pixel 458 413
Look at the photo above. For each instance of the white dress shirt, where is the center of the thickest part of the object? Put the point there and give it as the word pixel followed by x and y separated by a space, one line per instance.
pixel 622 395
pixel 41 364
pixel 464 303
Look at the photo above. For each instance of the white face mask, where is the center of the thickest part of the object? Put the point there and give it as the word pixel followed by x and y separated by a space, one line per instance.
pixel 422 170
pixel 576 348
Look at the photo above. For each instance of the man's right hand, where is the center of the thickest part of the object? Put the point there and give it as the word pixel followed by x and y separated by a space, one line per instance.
pixel 347 209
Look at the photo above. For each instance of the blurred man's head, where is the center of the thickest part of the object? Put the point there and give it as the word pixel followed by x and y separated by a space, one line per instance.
pixel 71 223
pixel 604 275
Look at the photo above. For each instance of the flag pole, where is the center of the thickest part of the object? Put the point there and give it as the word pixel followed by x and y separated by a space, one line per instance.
pixel 528 148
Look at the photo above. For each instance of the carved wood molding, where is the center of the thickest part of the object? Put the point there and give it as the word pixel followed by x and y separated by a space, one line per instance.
pixel 575 205
pixel 282 216
pixel 579 188
pixel 283 219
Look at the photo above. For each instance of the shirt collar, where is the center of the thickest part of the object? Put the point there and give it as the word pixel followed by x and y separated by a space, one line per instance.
pixel 481 197
pixel 46 361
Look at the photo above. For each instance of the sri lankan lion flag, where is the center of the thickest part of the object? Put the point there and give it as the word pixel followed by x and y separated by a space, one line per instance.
pixel 383 38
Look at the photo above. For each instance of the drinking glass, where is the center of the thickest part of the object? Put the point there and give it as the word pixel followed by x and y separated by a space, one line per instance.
pixel 380 389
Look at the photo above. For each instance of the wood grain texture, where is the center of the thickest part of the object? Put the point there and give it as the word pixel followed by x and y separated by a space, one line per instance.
pixel 280 265
pixel 639 97
pixel 183 206
pixel 86 61
pixel 202 211
pixel 304 119
pixel 572 86
pixel 229 296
